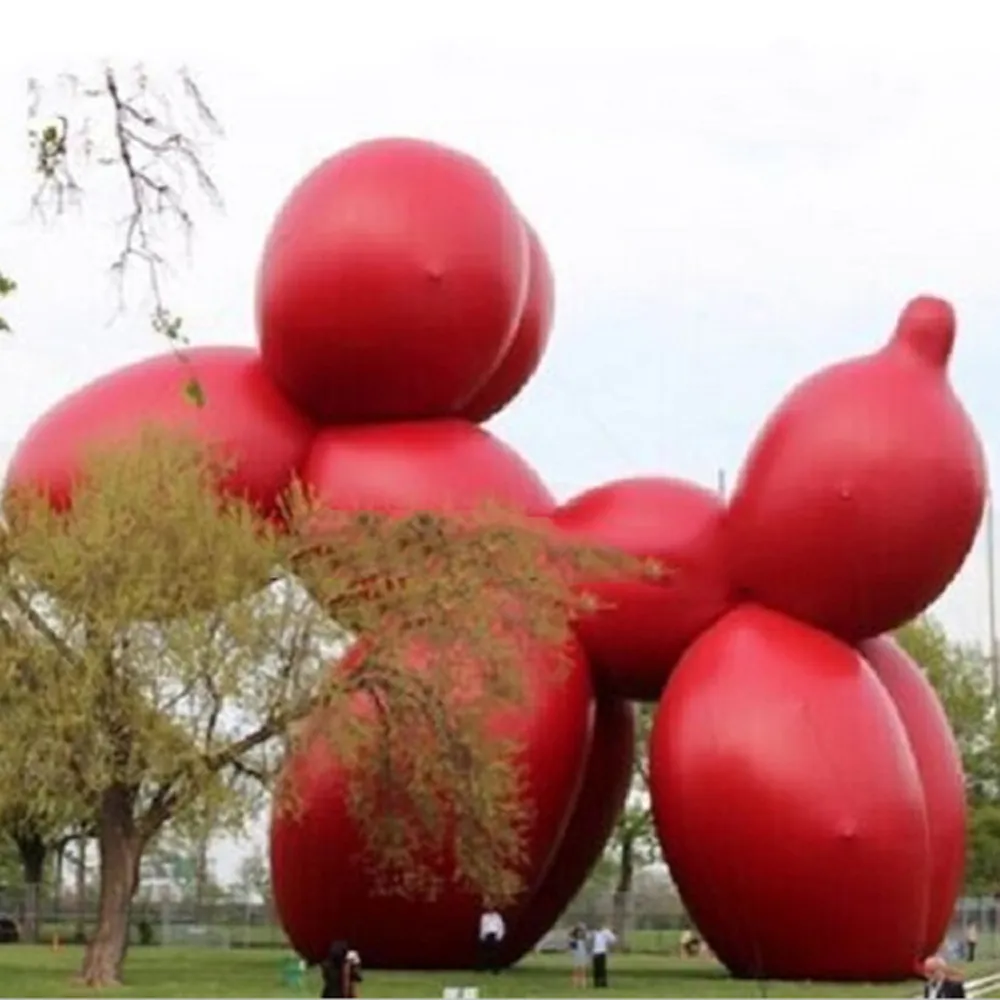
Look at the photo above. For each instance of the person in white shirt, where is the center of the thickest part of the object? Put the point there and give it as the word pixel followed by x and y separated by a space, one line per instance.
pixel 491 933
pixel 600 945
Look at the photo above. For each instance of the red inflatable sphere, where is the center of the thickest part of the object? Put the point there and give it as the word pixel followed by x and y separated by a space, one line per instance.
pixel 524 355
pixel 264 436
pixel 391 283
pixel 940 765
pixel 321 891
pixel 642 628
pixel 863 494
pixel 429 465
pixel 783 786
pixel 606 783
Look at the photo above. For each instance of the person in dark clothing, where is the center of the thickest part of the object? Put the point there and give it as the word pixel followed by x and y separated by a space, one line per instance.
pixel 341 971
pixel 941 980
pixel 491 934
pixel 600 944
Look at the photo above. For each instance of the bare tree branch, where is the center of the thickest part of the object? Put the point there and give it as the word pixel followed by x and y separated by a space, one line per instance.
pixel 123 121
pixel 38 623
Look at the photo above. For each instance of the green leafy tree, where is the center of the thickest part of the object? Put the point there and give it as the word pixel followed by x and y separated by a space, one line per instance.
pixel 10 864
pixel 634 844
pixel 161 649
pixel 148 135
pixel 959 673
pixel 253 879
pixel 32 838
pixel 184 846
pixel 7 287
pixel 982 875
pixel 186 866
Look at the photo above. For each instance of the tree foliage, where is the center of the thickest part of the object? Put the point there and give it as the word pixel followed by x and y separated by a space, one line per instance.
pixel 184 864
pixel 634 844
pixel 162 643
pixel 10 861
pixel 253 879
pixel 982 873
pixel 634 839
pixel 7 287
pixel 959 672
pixel 147 136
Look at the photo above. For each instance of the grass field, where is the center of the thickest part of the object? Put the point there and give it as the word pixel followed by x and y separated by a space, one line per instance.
pixel 27 971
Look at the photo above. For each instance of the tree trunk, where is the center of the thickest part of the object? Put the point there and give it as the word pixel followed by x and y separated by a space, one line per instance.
pixel 200 879
pixel 32 851
pixel 81 890
pixel 120 850
pixel 621 906
pixel 57 878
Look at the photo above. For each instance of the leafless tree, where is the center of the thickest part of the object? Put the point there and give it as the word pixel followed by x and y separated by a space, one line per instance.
pixel 153 133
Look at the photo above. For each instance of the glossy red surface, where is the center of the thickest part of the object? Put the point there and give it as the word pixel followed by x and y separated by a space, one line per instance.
pixel 643 627
pixel 606 782
pixel 391 283
pixel 422 465
pixel 940 765
pixel 789 804
pixel 321 890
pixel 523 356
pixel 243 413
pixel 862 496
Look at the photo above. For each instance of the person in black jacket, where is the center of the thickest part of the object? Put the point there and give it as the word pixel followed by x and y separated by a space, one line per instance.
pixel 341 971
pixel 941 980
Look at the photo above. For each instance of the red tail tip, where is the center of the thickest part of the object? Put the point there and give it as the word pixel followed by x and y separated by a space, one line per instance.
pixel 927 328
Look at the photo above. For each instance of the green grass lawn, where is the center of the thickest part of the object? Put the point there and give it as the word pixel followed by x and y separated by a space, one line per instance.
pixel 27 971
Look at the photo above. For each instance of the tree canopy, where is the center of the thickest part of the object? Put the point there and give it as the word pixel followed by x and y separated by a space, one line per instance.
pixel 960 674
pixel 634 842
pixel 162 641
pixel 152 133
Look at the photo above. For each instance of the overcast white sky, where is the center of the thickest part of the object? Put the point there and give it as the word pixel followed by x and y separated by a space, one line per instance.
pixel 731 194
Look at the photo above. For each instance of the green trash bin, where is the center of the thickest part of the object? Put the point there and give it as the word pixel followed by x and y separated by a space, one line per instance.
pixel 293 972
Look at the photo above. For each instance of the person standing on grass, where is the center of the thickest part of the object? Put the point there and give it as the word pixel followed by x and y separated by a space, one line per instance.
pixel 971 940
pixel 601 944
pixel 341 970
pixel 578 955
pixel 690 944
pixel 491 933
pixel 353 974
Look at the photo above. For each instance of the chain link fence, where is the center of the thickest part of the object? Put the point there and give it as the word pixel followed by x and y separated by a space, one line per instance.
pixel 975 929
pixel 974 933
pixel 44 917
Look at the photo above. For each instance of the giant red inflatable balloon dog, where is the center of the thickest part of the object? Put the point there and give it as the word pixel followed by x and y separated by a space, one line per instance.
pixel 807 789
